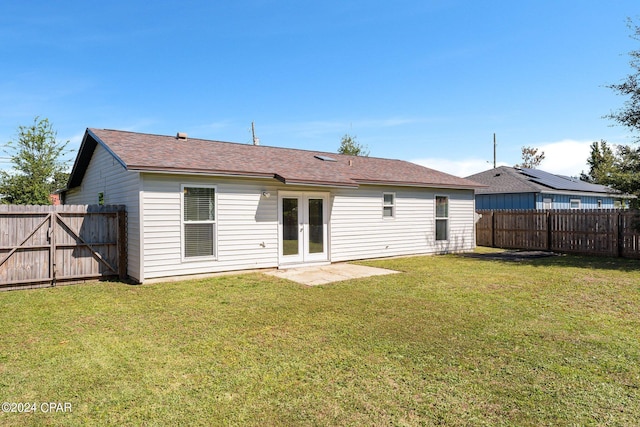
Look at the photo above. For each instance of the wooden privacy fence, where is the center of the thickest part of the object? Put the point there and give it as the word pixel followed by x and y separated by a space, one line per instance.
pixel 590 232
pixel 44 245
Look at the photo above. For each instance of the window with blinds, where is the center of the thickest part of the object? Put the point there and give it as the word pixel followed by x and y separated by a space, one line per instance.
pixel 199 221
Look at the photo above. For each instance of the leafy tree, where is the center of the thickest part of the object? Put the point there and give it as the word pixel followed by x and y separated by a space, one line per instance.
pixel 350 145
pixel 626 174
pixel 601 163
pixel 629 114
pixel 530 158
pixel 619 169
pixel 38 170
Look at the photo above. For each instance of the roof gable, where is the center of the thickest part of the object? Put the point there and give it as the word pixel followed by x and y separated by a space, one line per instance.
pixel 157 153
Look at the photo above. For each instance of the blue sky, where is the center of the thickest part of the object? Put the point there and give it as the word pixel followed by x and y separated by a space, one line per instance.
pixel 425 81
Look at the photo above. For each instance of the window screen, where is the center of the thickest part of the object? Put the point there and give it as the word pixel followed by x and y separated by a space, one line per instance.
pixel 199 221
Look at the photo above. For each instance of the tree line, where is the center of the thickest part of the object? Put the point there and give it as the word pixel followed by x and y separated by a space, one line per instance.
pixel 619 166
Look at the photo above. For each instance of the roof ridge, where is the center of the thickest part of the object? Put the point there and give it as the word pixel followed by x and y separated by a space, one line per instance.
pixel 263 146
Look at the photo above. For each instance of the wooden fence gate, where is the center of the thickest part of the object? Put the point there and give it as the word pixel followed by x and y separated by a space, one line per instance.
pixel 45 245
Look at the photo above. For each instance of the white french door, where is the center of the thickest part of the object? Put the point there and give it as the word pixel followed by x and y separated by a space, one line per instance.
pixel 303 227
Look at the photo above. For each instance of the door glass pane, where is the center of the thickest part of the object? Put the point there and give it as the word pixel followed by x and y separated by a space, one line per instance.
pixel 290 226
pixel 316 226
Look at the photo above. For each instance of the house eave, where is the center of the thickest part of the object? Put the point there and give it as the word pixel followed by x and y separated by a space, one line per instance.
pixel 312 183
pixel 418 184
pixel 589 194
pixel 563 193
pixel 88 146
pixel 200 172
pixel 248 175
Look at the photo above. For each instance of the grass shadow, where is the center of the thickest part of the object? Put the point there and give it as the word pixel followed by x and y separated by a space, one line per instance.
pixel 554 259
pixel 589 262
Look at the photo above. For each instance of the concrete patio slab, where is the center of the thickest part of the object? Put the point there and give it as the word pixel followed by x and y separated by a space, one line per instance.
pixel 321 275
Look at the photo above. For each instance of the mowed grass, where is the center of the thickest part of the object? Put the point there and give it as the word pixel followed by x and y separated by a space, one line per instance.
pixel 451 341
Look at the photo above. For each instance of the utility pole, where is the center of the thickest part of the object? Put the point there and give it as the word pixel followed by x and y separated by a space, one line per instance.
pixel 494 150
pixel 256 141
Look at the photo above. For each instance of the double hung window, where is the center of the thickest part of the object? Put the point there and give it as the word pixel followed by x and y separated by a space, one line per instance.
pixel 442 218
pixel 388 205
pixel 199 221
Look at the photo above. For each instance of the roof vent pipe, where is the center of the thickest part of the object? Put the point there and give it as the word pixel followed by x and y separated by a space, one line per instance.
pixel 181 135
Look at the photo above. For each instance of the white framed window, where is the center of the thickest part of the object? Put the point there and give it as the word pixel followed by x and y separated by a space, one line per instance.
pixel 574 203
pixel 599 203
pixel 442 218
pixel 388 205
pixel 199 225
pixel 547 203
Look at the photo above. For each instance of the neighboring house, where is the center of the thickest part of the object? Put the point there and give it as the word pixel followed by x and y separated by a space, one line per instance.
pixel 54 198
pixel 197 206
pixel 520 188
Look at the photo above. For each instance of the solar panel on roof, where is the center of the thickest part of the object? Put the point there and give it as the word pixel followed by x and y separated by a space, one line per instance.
pixel 558 182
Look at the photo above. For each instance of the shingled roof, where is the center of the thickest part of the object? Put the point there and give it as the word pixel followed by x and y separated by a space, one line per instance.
pixel 504 179
pixel 156 153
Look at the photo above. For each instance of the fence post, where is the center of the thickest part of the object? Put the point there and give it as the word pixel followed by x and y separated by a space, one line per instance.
pixel 619 234
pixel 122 243
pixel 52 241
pixel 549 234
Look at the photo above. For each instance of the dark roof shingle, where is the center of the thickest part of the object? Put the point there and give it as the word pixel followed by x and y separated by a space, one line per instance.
pixel 145 152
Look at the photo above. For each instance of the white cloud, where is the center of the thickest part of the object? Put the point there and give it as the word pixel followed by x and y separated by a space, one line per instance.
pixel 462 168
pixel 566 157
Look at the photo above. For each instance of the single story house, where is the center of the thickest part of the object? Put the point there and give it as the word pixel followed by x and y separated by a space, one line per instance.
pixel 522 188
pixel 197 206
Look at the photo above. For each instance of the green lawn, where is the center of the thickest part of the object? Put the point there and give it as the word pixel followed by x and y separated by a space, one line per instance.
pixel 452 341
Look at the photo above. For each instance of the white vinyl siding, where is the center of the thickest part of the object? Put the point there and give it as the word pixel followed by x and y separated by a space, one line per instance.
pixel 106 176
pixel 358 231
pixel 247 226
pixel 247 220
